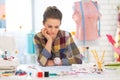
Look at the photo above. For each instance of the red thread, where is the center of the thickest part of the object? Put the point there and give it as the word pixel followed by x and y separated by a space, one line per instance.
pixel 40 74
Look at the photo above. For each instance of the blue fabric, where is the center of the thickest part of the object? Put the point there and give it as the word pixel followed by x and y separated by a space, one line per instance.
pixel 2 23
pixel 30 44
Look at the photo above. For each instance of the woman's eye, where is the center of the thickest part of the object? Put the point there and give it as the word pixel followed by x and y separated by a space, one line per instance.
pixel 49 26
pixel 56 27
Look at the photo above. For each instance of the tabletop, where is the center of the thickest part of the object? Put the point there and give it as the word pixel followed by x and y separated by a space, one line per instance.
pixel 109 73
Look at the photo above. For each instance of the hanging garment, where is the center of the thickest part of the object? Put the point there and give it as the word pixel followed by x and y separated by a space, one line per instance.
pixel 86 16
pixel 115 44
pixel 117 39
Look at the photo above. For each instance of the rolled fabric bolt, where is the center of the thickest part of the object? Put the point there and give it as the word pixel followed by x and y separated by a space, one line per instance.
pixel 40 74
pixel 57 60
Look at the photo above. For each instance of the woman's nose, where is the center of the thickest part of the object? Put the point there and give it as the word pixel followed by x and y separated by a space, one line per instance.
pixel 53 30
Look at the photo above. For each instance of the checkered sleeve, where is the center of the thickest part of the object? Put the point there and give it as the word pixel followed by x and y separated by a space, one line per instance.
pixel 72 53
pixel 41 52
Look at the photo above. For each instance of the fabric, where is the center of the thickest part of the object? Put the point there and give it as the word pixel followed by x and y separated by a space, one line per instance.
pixel 117 45
pixel 2 16
pixel 110 39
pixel 30 44
pixel 91 16
pixel 63 47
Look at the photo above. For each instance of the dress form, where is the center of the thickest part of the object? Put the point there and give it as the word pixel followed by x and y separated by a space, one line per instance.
pixel 91 15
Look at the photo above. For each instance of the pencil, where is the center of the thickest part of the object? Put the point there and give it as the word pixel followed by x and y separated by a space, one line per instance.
pixel 94 54
pixel 102 55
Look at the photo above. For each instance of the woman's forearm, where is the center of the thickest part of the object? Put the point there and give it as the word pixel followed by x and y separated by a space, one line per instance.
pixel 48 45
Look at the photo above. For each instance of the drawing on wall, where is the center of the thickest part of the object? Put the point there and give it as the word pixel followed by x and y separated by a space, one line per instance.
pixel 2 14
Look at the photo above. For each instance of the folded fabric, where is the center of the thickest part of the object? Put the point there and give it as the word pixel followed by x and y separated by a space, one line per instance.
pixel 110 39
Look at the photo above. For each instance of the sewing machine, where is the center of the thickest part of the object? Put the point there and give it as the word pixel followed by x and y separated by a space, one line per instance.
pixel 8 61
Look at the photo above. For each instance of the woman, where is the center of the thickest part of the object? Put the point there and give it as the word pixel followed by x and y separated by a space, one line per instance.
pixel 55 46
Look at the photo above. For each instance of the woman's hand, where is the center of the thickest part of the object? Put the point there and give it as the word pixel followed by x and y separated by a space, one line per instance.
pixel 49 39
pixel 45 33
pixel 50 63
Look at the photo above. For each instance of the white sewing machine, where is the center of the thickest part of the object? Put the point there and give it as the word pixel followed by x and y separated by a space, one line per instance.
pixel 6 65
pixel 7 43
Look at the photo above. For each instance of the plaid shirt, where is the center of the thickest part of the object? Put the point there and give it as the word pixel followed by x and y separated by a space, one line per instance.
pixel 63 47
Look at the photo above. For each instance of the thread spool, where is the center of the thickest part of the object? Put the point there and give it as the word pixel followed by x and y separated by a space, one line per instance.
pixel 46 74
pixel 40 74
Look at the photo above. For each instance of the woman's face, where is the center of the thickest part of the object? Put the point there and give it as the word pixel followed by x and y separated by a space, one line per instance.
pixel 52 25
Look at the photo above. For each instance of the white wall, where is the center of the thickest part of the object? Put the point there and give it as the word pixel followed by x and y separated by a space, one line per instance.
pixel 18 13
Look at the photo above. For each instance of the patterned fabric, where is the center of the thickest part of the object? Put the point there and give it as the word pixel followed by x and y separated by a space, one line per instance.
pixel 63 47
